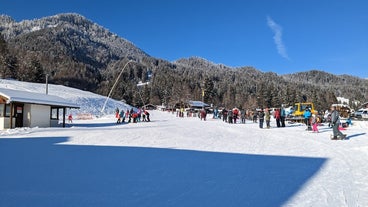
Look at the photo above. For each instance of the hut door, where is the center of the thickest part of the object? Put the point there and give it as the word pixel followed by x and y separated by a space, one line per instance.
pixel 18 111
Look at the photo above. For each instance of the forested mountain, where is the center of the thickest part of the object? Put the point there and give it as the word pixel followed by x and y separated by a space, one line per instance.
pixel 71 48
pixel 346 86
pixel 76 52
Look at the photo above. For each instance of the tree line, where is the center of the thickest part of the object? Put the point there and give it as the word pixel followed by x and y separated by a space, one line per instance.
pixel 172 83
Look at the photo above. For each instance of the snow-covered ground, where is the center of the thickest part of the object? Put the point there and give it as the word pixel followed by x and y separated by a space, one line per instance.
pixel 178 162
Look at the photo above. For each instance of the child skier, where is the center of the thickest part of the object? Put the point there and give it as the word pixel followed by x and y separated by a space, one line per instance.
pixel 314 122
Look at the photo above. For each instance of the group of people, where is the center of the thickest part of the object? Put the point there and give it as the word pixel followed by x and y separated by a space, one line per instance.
pixel 311 120
pixel 141 115
pixel 235 115
pixel 265 116
pixel 279 114
pixel 232 116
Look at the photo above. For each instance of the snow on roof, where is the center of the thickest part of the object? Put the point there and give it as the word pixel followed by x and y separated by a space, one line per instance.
pixel 35 98
pixel 341 105
pixel 197 104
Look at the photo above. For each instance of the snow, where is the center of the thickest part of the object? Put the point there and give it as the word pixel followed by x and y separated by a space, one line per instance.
pixel 35 98
pixel 36 28
pixel 343 100
pixel 175 161
pixel 89 102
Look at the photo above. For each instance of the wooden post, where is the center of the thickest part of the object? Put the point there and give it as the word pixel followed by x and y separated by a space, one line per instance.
pixel 64 113
pixel 11 115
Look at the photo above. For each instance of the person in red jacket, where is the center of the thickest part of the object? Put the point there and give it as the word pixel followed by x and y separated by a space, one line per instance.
pixel 277 117
pixel 70 118
pixel 235 115
pixel 203 114
pixel 147 115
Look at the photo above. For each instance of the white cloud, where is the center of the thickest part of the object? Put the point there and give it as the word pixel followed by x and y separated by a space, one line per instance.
pixel 277 30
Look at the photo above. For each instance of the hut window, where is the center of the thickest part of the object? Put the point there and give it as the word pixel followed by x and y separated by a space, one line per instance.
pixel 2 110
pixel 54 113
pixel 7 110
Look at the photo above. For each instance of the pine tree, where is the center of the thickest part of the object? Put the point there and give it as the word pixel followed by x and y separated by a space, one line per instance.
pixel 8 63
pixel 277 97
pixel 208 90
pixel 38 72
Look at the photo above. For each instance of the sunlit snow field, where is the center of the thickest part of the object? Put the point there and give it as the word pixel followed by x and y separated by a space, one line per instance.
pixel 175 161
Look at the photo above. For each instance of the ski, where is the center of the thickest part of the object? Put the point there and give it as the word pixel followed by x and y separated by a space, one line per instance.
pixel 344 137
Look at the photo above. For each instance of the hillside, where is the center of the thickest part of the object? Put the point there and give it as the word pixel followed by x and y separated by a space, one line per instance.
pixel 70 47
pixel 350 87
pixel 77 52
pixel 88 34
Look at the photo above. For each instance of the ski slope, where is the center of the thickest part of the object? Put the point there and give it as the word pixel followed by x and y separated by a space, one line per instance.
pixel 89 102
pixel 175 161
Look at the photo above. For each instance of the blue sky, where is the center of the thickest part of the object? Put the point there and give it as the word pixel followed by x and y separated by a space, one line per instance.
pixel 282 36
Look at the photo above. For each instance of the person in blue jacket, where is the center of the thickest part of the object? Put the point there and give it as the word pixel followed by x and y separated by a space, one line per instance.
pixel 307 114
pixel 122 116
pixel 282 116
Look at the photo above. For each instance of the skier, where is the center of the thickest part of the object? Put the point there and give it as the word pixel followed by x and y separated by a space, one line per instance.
pixel 235 115
pixel 230 116
pixel 335 120
pixel 203 114
pixel 122 116
pixel 117 115
pixel 267 118
pixel 314 122
pixel 139 115
pixel 144 116
pixel 277 117
pixel 117 112
pixel 282 116
pixel 224 115
pixel 254 116
pixel 70 118
pixel 135 117
pixel 348 122
pixel 307 114
pixel 261 118
pixel 242 115
pixel 147 115
pixel 127 115
pixel 215 114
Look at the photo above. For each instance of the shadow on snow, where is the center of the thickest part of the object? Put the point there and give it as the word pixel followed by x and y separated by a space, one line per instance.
pixel 94 125
pixel 355 135
pixel 40 172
